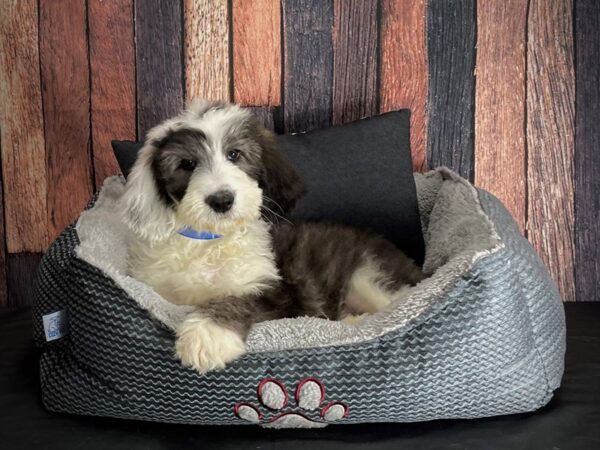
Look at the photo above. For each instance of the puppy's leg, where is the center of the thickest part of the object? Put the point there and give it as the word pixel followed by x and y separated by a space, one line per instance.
pixel 215 333
pixel 368 289
pixel 205 344
pixel 372 285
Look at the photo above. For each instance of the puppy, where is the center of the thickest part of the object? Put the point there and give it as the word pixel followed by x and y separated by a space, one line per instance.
pixel 204 201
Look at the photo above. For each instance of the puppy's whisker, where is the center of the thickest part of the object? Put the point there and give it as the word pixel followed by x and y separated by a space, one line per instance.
pixel 275 203
pixel 266 218
pixel 267 198
pixel 277 215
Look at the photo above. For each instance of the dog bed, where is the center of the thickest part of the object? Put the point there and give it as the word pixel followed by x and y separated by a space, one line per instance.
pixel 483 335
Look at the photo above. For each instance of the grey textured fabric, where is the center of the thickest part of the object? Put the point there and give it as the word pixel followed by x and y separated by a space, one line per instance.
pixel 483 335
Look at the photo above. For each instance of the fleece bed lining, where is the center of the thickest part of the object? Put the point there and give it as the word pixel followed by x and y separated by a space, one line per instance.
pixel 456 230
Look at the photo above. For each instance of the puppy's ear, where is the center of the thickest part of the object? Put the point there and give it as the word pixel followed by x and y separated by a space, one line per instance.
pixel 278 179
pixel 143 210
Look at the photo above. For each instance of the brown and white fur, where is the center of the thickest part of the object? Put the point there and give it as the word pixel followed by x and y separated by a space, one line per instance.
pixel 215 168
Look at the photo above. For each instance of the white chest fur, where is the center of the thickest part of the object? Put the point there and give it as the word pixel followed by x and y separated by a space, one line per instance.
pixel 189 271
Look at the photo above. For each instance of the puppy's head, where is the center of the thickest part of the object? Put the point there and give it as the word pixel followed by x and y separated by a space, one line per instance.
pixel 212 168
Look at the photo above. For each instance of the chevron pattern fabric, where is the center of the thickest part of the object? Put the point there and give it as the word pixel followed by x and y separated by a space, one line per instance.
pixel 493 345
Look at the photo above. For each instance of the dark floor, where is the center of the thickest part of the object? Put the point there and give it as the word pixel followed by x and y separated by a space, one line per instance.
pixel 570 421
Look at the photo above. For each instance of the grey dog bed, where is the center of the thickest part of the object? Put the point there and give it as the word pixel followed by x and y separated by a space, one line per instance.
pixel 483 335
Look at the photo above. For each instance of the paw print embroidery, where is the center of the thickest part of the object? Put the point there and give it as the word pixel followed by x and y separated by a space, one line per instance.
pixel 310 409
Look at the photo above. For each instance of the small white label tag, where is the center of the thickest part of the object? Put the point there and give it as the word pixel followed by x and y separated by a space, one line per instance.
pixel 55 325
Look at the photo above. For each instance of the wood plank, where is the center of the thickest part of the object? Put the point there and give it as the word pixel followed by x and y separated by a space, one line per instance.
pixel 3 259
pixel 66 100
pixel 451 31
pixel 264 114
pixel 551 138
pixel 159 70
pixel 22 275
pixel 21 128
pixel 404 68
pixel 308 64
pixel 207 50
pixel 112 65
pixel 587 150
pixel 257 52
pixel 500 103
pixel 355 34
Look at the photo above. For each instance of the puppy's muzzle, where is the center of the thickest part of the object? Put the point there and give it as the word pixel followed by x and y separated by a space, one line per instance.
pixel 221 201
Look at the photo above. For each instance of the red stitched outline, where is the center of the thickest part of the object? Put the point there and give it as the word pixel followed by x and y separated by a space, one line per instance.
pixel 303 382
pixel 236 409
pixel 335 402
pixel 292 413
pixel 278 383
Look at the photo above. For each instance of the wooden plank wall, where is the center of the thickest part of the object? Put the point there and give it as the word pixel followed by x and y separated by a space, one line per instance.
pixel 256 53
pixel 207 49
pixel 451 31
pixel 500 102
pixel 22 143
pixel 112 80
pixel 504 92
pixel 404 68
pixel 159 65
pixel 256 57
pixel 355 37
pixel 551 138
pixel 66 105
pixel 587 149
pixel 308 64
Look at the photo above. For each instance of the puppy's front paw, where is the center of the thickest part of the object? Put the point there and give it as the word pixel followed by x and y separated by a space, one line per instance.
pixel 205 345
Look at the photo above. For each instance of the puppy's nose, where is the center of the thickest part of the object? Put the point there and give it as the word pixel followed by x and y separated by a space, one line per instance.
pixel 220 201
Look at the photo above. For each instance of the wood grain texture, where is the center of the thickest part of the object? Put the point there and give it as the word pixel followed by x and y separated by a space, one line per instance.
pixel 112 65
pixel 159 70
pixel 500 103
pixel 207 50
pixel 355 34
pixel 257 52
pixel 587 150
pixel 66 100
pixel 451 31
pixel 308 65
pixel 22 273
pixel 404 68
pixel 21 128
pixel 264 114
pixel 551 138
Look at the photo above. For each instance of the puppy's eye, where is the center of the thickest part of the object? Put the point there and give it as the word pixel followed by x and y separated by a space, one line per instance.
pixel 233 155
pixel 187 164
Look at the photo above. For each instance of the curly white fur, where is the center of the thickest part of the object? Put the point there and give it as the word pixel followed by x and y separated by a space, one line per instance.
pixel 189 272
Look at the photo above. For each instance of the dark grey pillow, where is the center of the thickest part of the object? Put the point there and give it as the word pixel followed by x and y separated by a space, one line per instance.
pixel 358 174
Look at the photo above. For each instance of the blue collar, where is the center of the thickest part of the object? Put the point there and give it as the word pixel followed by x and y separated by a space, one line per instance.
pixel 189 232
